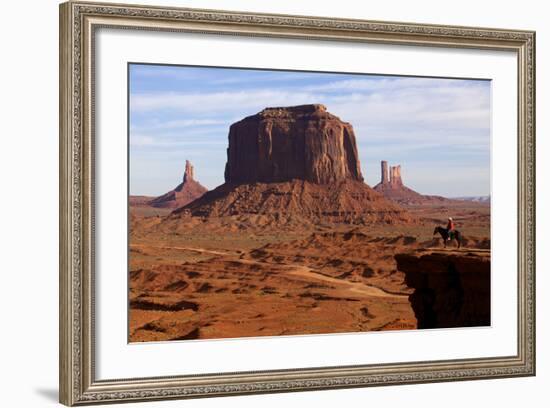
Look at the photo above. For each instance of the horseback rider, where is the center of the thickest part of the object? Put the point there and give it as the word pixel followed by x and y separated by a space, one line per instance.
pixel 450 228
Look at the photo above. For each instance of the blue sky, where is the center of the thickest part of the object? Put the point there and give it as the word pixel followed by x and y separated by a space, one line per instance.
pixel 437 129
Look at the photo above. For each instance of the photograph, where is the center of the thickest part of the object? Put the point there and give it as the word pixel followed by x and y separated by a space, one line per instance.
pixel 267 202
pixel 272 200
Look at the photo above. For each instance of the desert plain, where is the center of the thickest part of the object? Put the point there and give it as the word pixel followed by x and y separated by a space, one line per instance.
pixel 295 245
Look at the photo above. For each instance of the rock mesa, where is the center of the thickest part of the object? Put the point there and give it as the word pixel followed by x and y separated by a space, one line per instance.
pixel 300 142
pixel 298 162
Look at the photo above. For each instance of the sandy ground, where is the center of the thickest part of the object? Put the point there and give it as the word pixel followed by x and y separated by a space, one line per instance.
pixel 201 282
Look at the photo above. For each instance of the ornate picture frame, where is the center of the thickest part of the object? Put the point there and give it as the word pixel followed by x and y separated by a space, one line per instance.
pixel 78 24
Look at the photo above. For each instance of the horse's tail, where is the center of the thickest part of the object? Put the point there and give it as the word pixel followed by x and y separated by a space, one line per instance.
pixel 458 238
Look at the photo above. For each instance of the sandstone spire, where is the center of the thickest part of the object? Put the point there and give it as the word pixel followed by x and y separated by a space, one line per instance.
pixel 395 176
pixel 391 186
pixel 384 167
pixel 189 171
pixel 187 191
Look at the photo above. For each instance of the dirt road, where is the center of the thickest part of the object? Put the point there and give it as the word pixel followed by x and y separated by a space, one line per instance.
pixel 354 288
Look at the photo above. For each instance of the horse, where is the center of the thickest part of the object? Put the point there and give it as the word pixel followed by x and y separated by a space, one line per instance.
pixel 445 235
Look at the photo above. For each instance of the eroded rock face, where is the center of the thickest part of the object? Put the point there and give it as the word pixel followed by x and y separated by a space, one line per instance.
pixel 452 288
pixel 350 202
pixel 300 142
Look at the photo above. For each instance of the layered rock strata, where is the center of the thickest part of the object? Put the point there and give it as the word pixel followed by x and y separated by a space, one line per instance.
pixel 300 142
pixel 451 288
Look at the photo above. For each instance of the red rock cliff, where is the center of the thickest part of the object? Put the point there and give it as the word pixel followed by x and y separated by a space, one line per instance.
pixel 452 288
pixel 300 142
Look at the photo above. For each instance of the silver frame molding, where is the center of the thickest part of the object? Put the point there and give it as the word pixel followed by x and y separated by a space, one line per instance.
pixel 78 22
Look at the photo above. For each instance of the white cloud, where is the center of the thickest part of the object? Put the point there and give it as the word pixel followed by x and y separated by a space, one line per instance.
pixel 397 102
pixel 391 117
pixel 142 140
pixel 171 124
pixel 157 125
pixel 384 84
pixel 413 112
pixel 215 102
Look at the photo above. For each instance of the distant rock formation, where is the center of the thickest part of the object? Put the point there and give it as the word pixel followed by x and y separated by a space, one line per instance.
pixel 139 201
pixel 187 191
pixel 298 162
pixel 189 174
pixel 476 199
pixel 395 176
pixel 385 178
pixel 391 176
pixel 300 142
pixel 452 288
pixel 391 186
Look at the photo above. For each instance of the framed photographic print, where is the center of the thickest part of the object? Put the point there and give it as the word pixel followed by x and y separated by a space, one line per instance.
pixel 256 203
